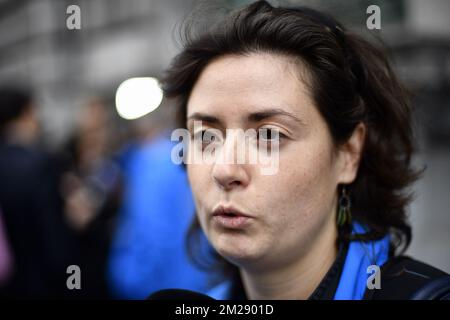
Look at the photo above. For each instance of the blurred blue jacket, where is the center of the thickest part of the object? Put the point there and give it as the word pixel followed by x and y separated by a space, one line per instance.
pixel 148 249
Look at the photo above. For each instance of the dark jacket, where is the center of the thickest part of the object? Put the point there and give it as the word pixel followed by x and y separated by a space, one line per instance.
pixel 40 241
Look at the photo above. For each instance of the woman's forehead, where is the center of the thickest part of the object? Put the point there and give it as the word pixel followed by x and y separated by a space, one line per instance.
pixel 247 84
pixel 241 73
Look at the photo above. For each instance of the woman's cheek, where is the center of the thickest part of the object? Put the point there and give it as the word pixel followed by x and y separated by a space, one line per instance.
pixel 197 185
pixel 294 189
pixel 196 176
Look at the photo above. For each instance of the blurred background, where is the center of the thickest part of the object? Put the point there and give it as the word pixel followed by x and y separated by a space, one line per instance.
pixel 90 177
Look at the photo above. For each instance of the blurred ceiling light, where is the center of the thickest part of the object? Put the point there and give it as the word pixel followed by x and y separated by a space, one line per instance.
pixel 136 97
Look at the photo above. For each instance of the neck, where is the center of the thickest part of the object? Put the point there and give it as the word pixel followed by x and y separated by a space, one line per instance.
pixel 296 280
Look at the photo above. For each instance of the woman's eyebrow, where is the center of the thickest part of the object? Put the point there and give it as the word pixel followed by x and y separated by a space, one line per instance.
pixel 252 117
pixel 268 113
pixel 204 117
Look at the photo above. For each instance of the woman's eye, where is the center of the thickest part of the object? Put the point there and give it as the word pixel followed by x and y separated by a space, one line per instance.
pixel 271 135
pixel 205 137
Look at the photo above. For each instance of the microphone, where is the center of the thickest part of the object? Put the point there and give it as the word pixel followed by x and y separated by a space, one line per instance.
pixel 178 294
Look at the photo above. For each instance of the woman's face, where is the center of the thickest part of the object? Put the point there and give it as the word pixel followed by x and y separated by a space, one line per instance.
pixel 284 212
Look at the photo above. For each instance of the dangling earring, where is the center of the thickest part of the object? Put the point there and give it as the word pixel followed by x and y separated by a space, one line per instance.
pixel 344 216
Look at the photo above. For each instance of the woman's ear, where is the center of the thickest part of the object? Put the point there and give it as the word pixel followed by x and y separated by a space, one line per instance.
pixel 350 154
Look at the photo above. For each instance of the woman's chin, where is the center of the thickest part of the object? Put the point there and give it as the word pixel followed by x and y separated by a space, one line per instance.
pixel 237 252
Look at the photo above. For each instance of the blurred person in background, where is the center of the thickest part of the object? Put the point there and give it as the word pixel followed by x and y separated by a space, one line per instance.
pixel 91 186
pixel 148 251
pixel 40 241
pixel 5 254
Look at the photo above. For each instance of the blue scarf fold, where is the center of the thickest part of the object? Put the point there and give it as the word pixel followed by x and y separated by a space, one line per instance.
pixel 360 256
pixel 353 281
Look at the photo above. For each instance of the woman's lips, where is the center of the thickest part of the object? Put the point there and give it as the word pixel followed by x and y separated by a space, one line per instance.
pixel 231 218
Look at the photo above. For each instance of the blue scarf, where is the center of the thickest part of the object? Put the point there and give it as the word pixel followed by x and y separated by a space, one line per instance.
pixel 360 256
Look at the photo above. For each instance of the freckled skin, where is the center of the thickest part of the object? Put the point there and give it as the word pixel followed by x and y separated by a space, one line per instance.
pixel 293 208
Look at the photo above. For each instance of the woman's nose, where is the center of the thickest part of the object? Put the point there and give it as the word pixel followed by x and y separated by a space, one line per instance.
pixel 230 176
pixel 228 172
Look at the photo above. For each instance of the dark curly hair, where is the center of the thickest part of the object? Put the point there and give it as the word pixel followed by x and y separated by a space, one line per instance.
pixel 350 81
